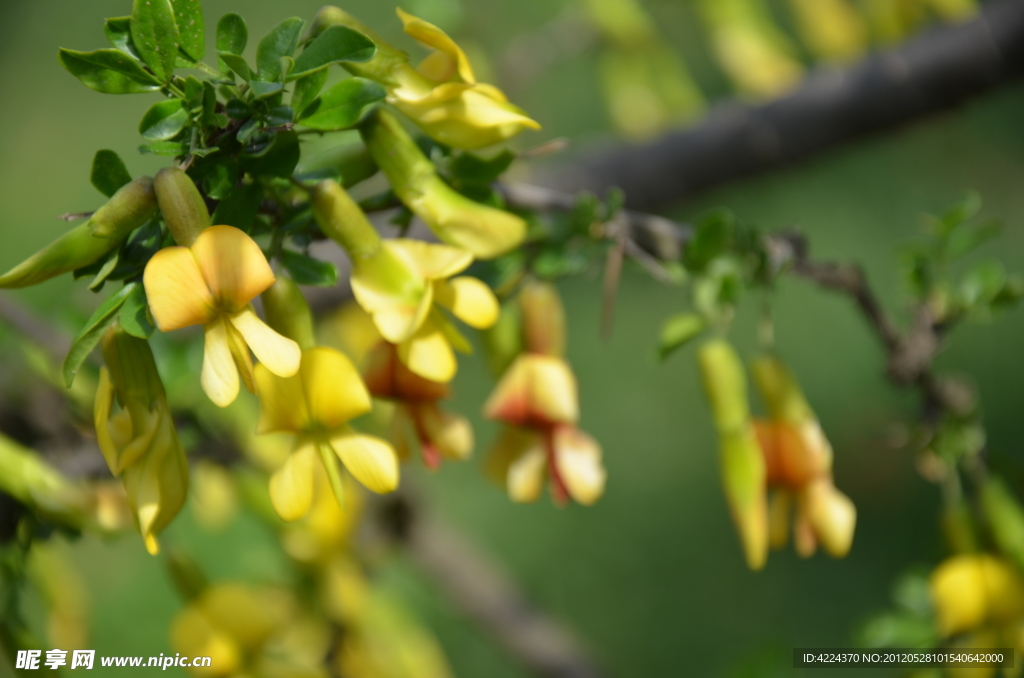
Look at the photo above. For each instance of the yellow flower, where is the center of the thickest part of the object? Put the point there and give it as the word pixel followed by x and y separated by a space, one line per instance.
pixel 316 404
pixel 441 434
pixel 972 590
pixel 211 284
pixel 140 442
pixel 405 284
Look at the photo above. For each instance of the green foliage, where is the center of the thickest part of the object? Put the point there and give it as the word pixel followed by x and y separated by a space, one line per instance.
pixel 109 71
pixel 108 172
pixel 678 331
pixel 91 333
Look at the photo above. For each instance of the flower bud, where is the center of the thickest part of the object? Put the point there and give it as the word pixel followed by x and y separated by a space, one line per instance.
pixel 536 391
pixel 969 591
pixel 743 479
pixel 484 231
pixel 341 219
pixel 832 515
pixel 543 319
pixel 129 208
pixel 287 312
pixel 725 385
pixel 140 442
pixel 181 204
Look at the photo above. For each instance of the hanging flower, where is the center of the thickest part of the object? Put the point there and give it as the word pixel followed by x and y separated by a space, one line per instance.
pixel 211 283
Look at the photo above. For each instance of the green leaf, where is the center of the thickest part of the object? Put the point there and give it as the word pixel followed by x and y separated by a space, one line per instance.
pixel 237 64
pixel 264 90
pixel 92 332
pixel 168 148
pixel 134 316
pixel 334 45
pixel 343 105
pixel 678 331
pixel 101 275
pixel 188 16
pixel 307 88
pixel 471 169
pixel 211 118
pixel 713 237
pixel 164 120
pixel 281 41
pixel 156 36
pixel 110 71
pixel 221 180
pixel 118 32
pixel 232 34
pixel 982 283
pixel 961 212
pixel 964 240
pixel 108 172
pixel 239 208
pixel 279 160
pixel 305 270
pixel 238 109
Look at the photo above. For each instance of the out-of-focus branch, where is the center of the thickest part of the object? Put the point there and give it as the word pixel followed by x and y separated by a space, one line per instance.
pixel 930 73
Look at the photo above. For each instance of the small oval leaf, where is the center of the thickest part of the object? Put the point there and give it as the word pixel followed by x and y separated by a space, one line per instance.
pixel 188 16
pixel 155 35
pixel 108 172
pixel 92 332
pixel 334 45
pixel 110 71
pixel 343 105
pixel 281 41
pixel 164 120
pixel 305 270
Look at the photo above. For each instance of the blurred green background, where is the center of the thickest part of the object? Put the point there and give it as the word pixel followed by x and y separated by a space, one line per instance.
pixel 651 578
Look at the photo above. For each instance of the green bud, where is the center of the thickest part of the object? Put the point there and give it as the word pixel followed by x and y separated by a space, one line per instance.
pixel 725 385
pixel 288 313
pixel 543 319
pixel 129 208
pixel 181 204
pixel 484 231
pixel 341 219
pixel 743 480
pixel 132 367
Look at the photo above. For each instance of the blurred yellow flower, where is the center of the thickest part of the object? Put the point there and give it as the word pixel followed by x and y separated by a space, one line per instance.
pixel 211 284
pixel 316 404
pixel 973 590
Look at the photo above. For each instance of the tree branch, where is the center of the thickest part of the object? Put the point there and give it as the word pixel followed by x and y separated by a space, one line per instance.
pixel 933 72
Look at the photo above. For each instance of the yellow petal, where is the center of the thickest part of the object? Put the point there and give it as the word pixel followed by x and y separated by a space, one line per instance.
pixel 399 322
pixel 282 402
pixel 193 635
pixel 371 460
pixel 220 376
pixel 177 292
pixel 280 354
pixel 833 517
pixel 240 354
pixel 428 354
pixel 430 260
pixel 525 480
pixel 470 300
pixel 333 388
pixel 291 486
pixel 535 390
pixel 233 266
pixel 579 461
pixel 101 419
pixel 958 594
pixel 451 433
pixel 390 288
pixel 432 36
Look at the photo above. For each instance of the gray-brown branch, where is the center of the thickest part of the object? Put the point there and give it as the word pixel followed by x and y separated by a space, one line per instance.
pixel 932 72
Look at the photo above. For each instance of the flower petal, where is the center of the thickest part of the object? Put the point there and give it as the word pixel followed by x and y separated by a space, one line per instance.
pixel 388 287
pixel 430 260
pixel 291 486
pixel 177 292
pixel 220 376
pixel 833 517
pixel 470 300
pixel 450 433
pixel 371 460
pixel 280 354
pixel 525 480
pixel 282 402
pixel 432 36
pixel 579 462
pixel 233 266
pixel 333 389
pixel 102 408
pixel 535 390
pixel 428 354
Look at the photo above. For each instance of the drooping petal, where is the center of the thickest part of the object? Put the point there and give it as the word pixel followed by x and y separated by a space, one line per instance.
pixel 177 292
pixel 219 376
pixel 525 480
pixel 333 388
pixel 535 390
pixel 428 354
pixel 282 402
pixel 389 287
pixel 387 377
pixel 579 463
pixel 833 517
pixel 233 266
pixel 281 355
pixel 432 36
pixel 431 260
pixel 513 462
pixel 371 460
pixel 101 419
pixel 291 486
pixel 470 300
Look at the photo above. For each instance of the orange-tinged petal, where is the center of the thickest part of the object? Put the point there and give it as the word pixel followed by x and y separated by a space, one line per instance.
pixel 333 388
pixel 233 266
pixel 428 354
pixel 387 377
pixel 177 292
pixel 430 260
pixel 432 36
pixel 220 376
pixel 291 486
pixel 450 433
pixel 470 300
pixel 281 355
pixel 282 402
pixel 525 479
pixel 535 390
pixel 371 460
pixel 579 462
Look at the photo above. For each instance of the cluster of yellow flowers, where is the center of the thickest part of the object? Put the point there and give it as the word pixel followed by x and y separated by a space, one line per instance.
pixel 787 454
